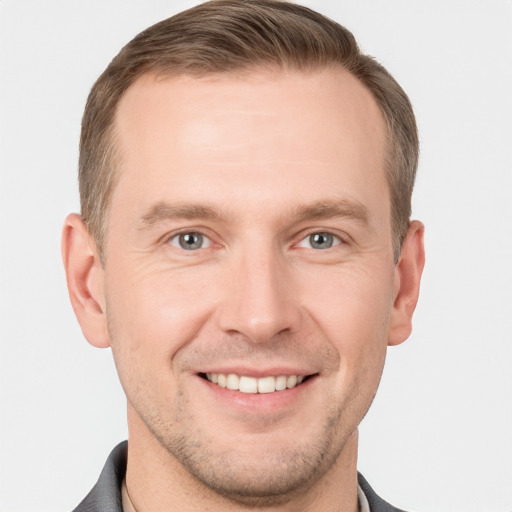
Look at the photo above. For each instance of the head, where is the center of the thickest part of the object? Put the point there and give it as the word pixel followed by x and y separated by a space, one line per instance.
pixel 245 179
pixel 227 36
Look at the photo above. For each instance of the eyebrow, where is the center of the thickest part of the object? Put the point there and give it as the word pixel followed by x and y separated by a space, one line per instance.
pixel 163 211
pixel 328 209
pixel 332 209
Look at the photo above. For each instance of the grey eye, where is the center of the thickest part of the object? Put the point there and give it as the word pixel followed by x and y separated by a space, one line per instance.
pixel 320 241
pixel 190 241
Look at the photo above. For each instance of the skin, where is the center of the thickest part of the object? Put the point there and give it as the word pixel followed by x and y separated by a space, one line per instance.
pixel 256 163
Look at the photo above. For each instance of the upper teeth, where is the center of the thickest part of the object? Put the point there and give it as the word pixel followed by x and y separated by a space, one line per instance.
pixel 252 385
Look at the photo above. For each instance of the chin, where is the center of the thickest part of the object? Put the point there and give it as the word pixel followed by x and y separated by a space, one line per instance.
pixel 268 478
pixel 268 470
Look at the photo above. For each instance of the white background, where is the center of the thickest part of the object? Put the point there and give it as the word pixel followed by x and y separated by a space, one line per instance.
pixel 439 436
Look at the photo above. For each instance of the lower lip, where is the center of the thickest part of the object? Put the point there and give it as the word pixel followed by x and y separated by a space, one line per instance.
pixel 259 402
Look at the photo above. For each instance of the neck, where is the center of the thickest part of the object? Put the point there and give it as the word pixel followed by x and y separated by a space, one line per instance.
pixel 156 481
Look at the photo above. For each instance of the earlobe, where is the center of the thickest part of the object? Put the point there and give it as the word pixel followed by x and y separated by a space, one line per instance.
pixel 85 279
pixel 407 283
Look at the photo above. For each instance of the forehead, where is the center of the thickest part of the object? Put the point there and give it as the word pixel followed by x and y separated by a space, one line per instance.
pixel 330 97
pixel 261 131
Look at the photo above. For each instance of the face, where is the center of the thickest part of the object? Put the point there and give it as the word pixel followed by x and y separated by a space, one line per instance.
pixel 249 277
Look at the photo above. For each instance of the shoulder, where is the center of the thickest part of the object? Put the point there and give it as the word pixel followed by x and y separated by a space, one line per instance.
pixel 105 496
pixel 376 503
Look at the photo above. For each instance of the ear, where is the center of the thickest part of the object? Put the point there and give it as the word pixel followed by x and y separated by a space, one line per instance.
pixel 407 283
pixel 85 278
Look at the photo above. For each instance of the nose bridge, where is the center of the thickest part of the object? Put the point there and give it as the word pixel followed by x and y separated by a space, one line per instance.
pixel 260 302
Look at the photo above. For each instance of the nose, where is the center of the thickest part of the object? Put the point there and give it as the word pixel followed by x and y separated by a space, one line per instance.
pixel 261 300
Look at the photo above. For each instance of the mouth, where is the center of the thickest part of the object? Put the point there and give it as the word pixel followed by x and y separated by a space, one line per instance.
pixel 246 384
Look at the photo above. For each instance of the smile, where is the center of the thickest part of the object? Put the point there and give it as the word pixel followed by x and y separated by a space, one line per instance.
pixel 246 384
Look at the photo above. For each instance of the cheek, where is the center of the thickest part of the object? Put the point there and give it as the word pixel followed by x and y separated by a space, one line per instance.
pixel 152 312
pixel 151 316
pixel 353 310
pixel 352 303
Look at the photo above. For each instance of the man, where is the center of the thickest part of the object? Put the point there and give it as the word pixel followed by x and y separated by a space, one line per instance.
pixel 245 248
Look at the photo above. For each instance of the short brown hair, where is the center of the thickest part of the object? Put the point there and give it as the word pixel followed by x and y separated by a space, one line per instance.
pixel 233 35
